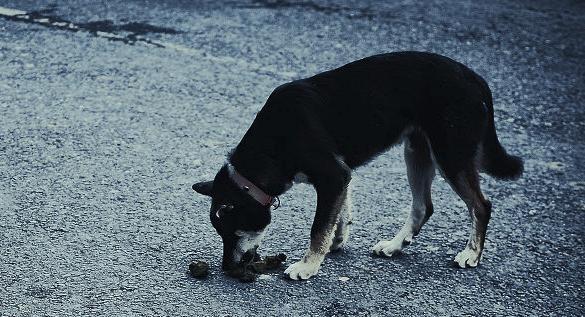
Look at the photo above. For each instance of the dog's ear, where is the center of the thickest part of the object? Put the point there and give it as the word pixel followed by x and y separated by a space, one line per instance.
pixel 204 188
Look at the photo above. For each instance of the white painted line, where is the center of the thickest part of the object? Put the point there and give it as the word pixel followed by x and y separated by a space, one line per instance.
pixel 109 35
pixel 11 12
pixel 200 54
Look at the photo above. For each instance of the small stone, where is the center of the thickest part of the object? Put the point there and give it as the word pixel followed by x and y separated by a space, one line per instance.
pixel 344 278
pixel 556 166
pixel 432 248
pixel 264 277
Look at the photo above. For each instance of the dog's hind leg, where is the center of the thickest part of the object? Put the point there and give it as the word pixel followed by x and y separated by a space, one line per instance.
pixel 342 231
pixel 421 171
pixel 466 185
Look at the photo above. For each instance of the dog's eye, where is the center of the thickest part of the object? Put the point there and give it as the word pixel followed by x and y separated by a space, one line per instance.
pixel 223 209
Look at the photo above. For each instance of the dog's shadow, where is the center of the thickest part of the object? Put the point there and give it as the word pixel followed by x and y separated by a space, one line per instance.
pixel 398 255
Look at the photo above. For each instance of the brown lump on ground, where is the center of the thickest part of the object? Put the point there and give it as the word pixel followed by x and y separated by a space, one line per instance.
pixel 246 272
pixel 199 269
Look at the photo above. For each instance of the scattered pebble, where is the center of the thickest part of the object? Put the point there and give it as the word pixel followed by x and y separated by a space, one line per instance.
pixel 344 278
pixel 557 166
pixel 577 185
pixel 432 248
pixel 264 277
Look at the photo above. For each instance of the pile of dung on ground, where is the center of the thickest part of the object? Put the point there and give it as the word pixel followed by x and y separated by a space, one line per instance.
pixel 248 272
pixel 245 272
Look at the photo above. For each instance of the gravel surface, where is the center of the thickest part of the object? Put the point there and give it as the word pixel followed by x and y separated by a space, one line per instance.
pixel 100 142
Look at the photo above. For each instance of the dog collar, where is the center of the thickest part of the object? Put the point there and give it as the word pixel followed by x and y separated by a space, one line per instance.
pixel 249 188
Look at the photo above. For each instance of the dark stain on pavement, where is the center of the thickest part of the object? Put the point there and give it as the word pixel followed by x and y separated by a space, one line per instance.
pixel 128 33
pixel 137 28
pixel 310 5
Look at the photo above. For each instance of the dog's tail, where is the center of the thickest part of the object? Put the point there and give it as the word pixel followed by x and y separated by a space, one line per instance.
pixel 494 159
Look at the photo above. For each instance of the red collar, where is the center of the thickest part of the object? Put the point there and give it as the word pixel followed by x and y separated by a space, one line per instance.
pixel 248 187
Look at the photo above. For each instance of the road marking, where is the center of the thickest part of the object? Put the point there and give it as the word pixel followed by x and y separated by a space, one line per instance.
pixel 36 18
pixel 10 12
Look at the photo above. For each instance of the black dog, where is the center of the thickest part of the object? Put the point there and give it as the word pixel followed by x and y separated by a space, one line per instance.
pixel 324 126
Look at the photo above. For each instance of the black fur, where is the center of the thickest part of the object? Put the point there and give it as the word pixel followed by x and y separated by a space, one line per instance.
pixel 326 125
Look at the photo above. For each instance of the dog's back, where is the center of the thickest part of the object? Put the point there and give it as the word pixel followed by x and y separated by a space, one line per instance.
pixel 368 105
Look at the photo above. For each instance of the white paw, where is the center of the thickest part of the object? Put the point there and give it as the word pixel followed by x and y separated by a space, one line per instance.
pixel 467 258
pixel 302 270
pixel 389 248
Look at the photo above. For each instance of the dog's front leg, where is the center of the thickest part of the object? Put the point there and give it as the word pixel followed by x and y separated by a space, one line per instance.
pixel 331 194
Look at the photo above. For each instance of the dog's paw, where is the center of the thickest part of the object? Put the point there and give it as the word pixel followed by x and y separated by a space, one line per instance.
pixel 389 248
pixel 467 258
pixel 302 270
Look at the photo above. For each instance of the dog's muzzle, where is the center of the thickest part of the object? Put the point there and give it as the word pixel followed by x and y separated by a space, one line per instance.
pixel 233 258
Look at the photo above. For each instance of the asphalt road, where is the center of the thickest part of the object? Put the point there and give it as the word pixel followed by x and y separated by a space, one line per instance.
pixel 101 139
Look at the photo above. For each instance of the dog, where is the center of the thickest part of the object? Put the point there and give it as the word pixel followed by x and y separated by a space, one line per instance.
pixel 322 127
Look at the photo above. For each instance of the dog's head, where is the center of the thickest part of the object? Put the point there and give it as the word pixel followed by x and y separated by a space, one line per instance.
pixel 238 218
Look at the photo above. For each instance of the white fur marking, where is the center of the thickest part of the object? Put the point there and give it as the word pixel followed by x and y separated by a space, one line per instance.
pixel 301 178
pixel 392 247
pixel 320 246
pixel 342 231
pixel 248 240
pixel 305 268
pixel 404 236
pixel 467 258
